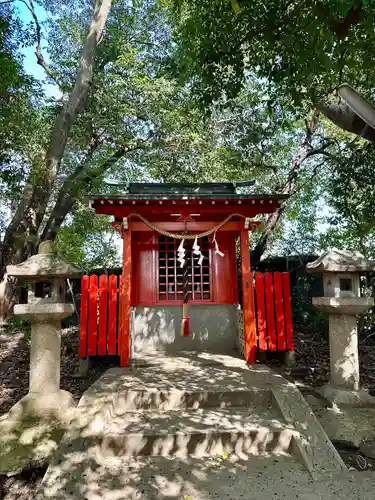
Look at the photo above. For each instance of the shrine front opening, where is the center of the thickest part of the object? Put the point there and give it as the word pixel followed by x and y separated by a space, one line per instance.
pixel 179 284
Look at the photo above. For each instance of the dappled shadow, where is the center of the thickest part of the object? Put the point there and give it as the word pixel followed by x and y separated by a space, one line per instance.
pixel 188 381
pixel 15 362
pixel 199 443
pixel 310 443
pixel 172 478
pixel 21 486
pixel 158 328
pixel 91 463
pixel 28 443
pixel 14 369
pixel 202 405
pixel 194 479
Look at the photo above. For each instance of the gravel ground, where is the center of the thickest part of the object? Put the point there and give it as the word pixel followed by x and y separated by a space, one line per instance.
pixel 312 361
pixel 312 368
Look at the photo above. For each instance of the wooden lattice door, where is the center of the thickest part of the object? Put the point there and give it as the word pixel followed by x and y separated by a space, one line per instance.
pixel 171 274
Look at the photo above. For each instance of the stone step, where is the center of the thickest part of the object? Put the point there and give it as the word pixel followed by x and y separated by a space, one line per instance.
pixel 181 386
pixel 311 445
pixel 166 399
pixel 197 433
pixel 179 377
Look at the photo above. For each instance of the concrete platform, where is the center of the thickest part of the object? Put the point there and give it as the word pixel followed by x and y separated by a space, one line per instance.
pixel 141 432
pixel 216 478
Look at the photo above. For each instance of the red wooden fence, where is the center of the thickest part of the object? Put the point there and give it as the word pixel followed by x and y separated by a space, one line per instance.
pixel 99 313
pixel 100 309
pixel 273 312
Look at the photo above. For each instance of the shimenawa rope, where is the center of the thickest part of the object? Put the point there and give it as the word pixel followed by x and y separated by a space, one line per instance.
pixel 184 236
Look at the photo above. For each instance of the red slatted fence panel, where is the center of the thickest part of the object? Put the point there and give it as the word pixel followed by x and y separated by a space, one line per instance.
pixel 99 313
pixel 261 312
pixel 270 311
pixel 288 311
pixel 103 295
pixel 93 314
pixel 112 315
pixel 279 310
pixel 83 316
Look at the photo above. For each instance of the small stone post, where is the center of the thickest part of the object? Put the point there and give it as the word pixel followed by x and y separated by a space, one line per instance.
pixel 46 274
pixel 342 301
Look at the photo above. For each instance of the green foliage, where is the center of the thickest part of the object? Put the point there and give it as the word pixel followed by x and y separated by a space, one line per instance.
pixel 256 66
pixel 299 52
pixel 16 324
pixel 302 50
pixel 89 241
pixel 18 114
pixel 13 78
pixel 349 192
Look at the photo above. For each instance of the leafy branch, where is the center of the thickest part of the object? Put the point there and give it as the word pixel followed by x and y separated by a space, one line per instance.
pixel 290 186
pixel 38 35
pixel 38 51
pixel 82 176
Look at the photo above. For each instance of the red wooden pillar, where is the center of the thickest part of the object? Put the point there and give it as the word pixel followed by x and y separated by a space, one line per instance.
pixel 247 298
pixel 125 297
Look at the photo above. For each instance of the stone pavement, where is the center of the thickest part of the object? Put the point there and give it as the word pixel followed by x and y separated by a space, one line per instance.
pixel 197 427
pixel 216 478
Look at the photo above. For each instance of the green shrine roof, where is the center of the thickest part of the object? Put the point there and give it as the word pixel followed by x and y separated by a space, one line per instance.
pixel 167 195
pixel 207 188
pixel 175 191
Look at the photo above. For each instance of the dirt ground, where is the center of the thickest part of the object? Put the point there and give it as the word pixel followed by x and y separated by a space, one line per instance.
pixel 14 374
pixel 312 369
pixel 14 368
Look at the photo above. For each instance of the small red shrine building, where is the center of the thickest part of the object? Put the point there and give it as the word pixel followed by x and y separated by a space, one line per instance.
pixel 199 224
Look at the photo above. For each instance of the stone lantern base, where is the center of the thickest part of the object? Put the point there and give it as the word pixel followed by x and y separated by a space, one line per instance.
pixel 343 389
pixel 55 406
pixel 45 398
pixel 346 397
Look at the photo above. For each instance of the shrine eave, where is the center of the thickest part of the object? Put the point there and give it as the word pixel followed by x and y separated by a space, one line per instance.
pixel 156 205
pixel 130 198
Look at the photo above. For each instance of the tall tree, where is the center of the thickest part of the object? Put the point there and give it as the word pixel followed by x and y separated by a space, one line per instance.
pixel 136 122
pixel 21 234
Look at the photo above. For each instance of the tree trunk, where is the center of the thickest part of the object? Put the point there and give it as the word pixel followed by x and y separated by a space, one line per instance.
pixel 270 225
pixel 7 296
pixel 73 107
pixel 66 199
pixel 21 237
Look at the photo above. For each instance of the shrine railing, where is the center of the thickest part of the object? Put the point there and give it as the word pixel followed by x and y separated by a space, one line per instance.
pixel 273 313
pixel 99 315
pixel 100 311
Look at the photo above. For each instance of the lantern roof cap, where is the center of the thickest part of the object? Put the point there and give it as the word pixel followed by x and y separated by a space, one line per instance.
pixel 46 264
pixel 340 261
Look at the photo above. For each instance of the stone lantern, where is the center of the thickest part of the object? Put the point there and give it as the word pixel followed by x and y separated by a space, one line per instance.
pixel 343 302
pixel 46 274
